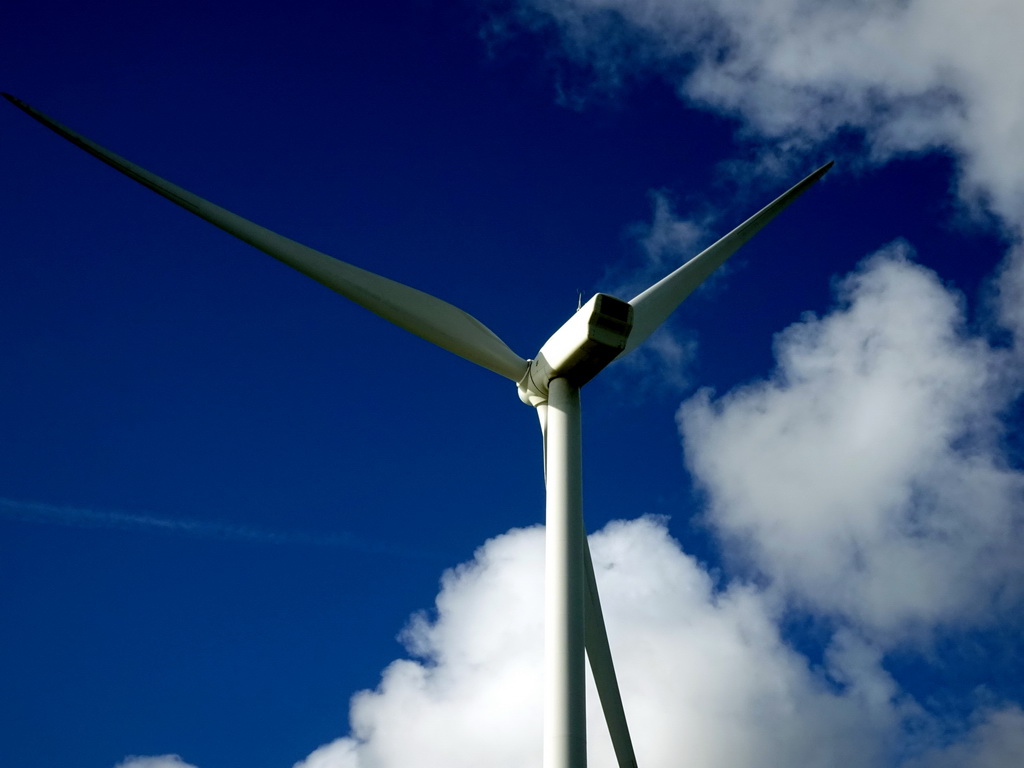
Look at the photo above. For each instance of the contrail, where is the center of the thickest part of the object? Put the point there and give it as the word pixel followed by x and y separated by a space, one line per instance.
pixel 79 517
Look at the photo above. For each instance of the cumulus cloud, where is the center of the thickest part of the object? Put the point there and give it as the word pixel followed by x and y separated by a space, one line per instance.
pixel 705 676
pixel 905 77
pixel 866 477
pixel 704 673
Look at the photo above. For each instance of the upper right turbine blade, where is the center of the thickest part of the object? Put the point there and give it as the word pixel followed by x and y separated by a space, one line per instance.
pixel 652 307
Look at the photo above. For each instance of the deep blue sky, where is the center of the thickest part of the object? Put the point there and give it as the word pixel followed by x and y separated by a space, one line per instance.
pixel 225 488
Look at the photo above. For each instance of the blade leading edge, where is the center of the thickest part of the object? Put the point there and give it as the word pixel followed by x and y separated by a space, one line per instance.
pixel 652 307
pixel 420 313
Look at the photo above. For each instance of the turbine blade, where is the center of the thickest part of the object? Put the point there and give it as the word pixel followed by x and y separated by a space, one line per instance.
pixel 600 655
pixel 652 307
pixel 420 313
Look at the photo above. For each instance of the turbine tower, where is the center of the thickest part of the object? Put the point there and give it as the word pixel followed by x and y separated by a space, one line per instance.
pixel 602 330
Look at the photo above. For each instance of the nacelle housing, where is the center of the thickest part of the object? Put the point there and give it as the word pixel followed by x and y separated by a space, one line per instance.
pixel 581 348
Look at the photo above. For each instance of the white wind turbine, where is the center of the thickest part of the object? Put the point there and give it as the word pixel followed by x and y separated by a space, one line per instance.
pixel 602 330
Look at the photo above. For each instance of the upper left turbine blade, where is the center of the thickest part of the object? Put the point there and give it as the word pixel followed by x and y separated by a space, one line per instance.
pixel 420 313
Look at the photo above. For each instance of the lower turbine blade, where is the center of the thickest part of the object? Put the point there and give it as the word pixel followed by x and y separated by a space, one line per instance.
pixel 652 307
pixel 600 655
pixel 420 313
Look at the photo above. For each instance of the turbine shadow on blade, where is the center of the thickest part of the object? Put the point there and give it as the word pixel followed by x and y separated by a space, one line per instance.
pixel 602 330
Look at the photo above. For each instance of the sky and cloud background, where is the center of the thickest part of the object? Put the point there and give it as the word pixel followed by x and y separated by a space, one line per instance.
pixel 243 522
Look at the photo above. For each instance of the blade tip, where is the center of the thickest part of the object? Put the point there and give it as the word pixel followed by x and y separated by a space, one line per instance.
pixel 15 101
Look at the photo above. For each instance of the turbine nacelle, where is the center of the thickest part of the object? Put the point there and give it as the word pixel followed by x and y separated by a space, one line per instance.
pixel 581 348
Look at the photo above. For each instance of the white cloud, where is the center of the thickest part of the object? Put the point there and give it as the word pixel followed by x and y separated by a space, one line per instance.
pixel 997 741
pixel 664 360
pixel 667 237
pixel 704 673
pixel 866 477
pixel 909 76
pixel 154 761
pixel 1008 287
pixel 473 699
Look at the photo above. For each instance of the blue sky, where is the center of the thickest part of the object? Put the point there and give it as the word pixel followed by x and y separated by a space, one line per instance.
pixel 226 493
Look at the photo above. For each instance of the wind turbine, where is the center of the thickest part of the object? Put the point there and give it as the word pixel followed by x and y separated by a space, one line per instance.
pixel 602 330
